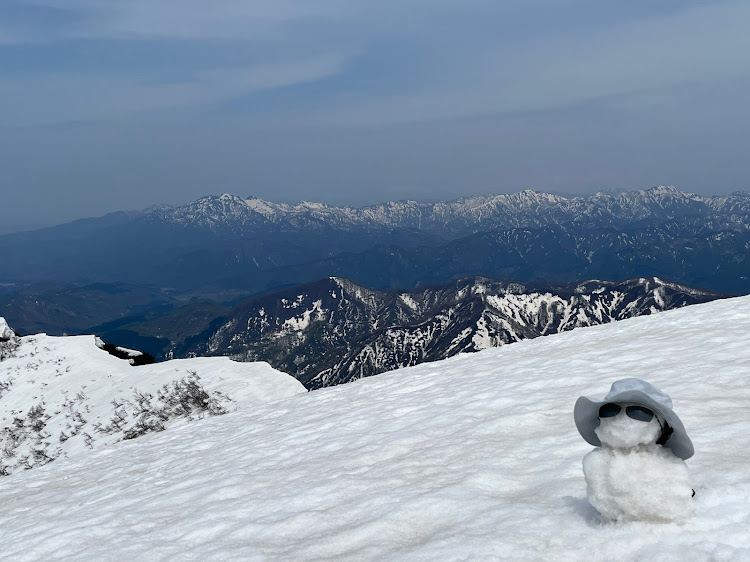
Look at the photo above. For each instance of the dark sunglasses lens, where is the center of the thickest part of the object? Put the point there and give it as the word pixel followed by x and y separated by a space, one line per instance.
pixel 609 410
pixel 639 413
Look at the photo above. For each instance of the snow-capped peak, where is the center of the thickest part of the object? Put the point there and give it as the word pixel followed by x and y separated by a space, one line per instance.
pixel 260 206
pixel 229 197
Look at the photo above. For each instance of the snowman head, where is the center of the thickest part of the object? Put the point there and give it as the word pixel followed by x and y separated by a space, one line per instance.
pixel 624 426
pixel 636 413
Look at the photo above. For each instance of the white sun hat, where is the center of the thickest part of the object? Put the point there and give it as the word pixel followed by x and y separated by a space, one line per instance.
pixel 640 393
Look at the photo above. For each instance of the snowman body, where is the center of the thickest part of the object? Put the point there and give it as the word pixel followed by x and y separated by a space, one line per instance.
pixel 632 478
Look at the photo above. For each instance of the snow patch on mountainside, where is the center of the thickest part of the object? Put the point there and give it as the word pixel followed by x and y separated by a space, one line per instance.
pixel 472 458
pixel 300 323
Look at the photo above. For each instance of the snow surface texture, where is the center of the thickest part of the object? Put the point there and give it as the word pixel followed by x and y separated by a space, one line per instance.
pixel 61 396
pixel 472 458
pixel 632 478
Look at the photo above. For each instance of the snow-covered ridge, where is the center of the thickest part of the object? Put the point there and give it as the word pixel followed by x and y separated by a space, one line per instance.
pixel 524 209
pixel 472 458
pixel 334 331
pixel 60 396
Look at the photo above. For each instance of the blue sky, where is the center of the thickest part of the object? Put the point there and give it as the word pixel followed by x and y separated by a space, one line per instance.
pixel 114 104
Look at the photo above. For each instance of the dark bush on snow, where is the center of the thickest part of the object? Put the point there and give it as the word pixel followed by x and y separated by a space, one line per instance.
pixel 184 398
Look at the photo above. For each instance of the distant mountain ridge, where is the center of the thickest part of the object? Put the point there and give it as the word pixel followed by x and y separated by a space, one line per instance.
pixel 334 331
pixel 463 216
pixel 685 251
pixel 226 248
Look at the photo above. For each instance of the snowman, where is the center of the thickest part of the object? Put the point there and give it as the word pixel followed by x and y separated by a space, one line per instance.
pixel 637 472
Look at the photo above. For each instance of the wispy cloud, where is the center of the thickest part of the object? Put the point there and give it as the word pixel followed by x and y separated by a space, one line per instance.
pixel 702 44
pixel 454 95
pixel 431 59
pixel 55 98
pixel 185 19
pixel 253 47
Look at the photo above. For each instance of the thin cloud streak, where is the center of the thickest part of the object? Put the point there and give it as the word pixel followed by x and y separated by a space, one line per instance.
pixel 187 19
pixel 681 49
pixel 64 98
pixel 459 75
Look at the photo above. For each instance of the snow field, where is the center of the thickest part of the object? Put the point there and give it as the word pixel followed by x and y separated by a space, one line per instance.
pixel 74 386
pixel 472 458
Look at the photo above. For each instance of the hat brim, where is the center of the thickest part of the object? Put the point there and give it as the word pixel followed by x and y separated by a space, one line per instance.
pixel 586 415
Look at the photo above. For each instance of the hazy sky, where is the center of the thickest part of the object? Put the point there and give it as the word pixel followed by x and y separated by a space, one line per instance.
pixel 120 104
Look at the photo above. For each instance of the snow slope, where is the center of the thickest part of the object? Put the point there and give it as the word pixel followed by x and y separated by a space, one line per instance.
pixel 472 458
pixel 5 332
pixel 60 396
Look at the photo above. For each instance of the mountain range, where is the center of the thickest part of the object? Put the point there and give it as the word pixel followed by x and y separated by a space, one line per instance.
pixel 229 215
pixel 334 331
pixel 226 248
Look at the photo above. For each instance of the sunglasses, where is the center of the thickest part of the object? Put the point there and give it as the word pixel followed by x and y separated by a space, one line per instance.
pixel 636 412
